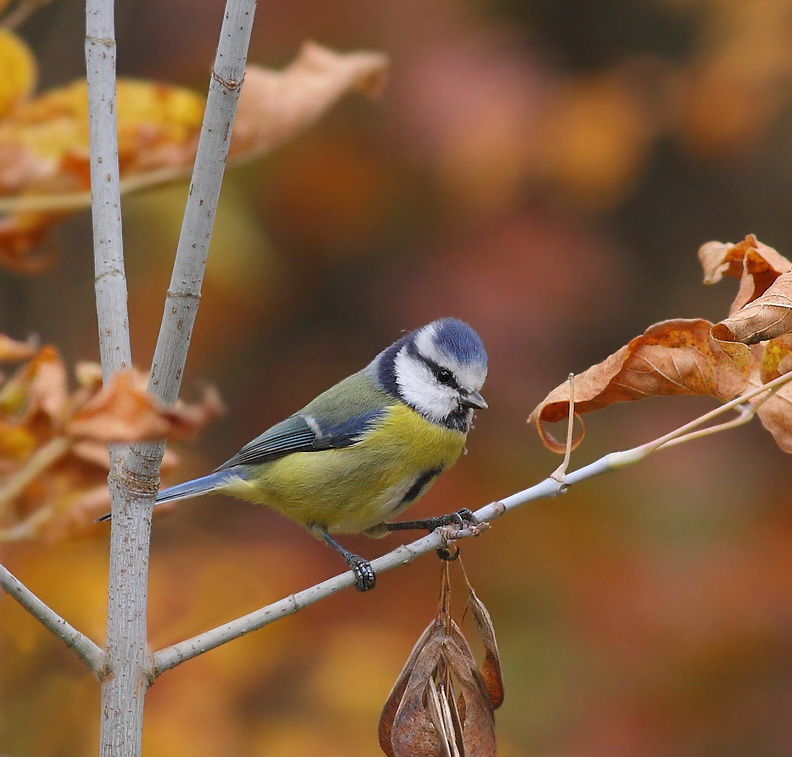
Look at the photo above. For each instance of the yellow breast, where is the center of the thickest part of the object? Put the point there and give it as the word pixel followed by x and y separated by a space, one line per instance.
pixel 356 488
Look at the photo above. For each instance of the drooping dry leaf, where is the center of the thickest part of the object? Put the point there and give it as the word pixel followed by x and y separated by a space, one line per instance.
pixel 754 264
pixel 764 318
pixel 412 732
pixel 397 693
pixel 44 168
pixel 478 719
pixel 441 703
pixel 491 668
pixel 677 357
pixel 277 105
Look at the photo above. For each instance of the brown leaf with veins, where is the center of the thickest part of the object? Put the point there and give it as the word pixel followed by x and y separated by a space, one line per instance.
pixel 764 318
pixel 677 357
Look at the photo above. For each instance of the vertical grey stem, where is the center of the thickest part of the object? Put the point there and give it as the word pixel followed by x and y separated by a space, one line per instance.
pixel 110 281
pixel 184 292
pixel 126 657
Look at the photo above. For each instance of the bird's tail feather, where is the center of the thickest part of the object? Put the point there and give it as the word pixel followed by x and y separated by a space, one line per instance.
pixel 188 489
pixel 193 488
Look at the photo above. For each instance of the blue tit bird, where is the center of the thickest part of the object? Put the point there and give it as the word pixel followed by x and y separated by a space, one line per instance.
pixel 363 451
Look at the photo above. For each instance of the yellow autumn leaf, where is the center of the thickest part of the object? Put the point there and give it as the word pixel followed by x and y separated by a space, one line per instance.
pixel 19 71
pixel 44 151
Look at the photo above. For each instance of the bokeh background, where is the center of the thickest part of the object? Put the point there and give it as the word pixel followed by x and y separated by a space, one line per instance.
pixel 545 170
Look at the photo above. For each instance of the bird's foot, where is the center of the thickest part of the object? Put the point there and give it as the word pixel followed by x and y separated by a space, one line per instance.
pixel 365 578
pixel 462 519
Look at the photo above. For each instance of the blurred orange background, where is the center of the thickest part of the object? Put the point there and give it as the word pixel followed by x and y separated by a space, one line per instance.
pixel 545 171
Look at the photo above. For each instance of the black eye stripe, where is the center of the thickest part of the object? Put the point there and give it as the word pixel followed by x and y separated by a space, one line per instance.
pixel 443 375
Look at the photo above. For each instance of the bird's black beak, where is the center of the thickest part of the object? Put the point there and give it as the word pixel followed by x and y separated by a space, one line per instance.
pixel 474 400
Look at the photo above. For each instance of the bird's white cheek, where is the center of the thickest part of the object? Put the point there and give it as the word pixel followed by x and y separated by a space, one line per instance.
pixel 419 388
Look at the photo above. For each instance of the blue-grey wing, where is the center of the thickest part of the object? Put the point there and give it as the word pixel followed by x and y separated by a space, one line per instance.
pixel 302 433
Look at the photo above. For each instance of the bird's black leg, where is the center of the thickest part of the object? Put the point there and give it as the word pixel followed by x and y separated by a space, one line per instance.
pixel 462 519
pixel 365 579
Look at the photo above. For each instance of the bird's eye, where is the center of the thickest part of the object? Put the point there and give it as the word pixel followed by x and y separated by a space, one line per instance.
pixel 444 376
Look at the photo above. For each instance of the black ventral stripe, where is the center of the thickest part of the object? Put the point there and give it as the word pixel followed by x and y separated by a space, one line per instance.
pixel 419 485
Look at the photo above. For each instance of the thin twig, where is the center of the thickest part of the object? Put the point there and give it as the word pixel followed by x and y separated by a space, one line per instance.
pixel 184 292
pixel 770 388
pixel 174 655
pixel 79 643
pixel 560 471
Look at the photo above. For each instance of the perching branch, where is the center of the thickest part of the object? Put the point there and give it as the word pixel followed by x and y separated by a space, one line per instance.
pixel 81 645
pixel 174 655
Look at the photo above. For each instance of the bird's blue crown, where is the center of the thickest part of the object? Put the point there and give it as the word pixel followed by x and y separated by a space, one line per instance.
pixel 458 340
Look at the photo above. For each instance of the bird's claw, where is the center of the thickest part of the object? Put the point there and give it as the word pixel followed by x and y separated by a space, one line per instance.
pixel 365 578
pixel 463 518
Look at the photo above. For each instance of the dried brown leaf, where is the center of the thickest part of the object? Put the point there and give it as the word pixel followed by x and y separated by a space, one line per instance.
pixel 53 446
pixel 39 386
pixel 676 357
pixel 475 706
pixel 755 264
pixel 413 734
pixel 397 693
pixel 491 667
pixel 438 708
pixel 277 105
pixel 776 413
pixel 766 317
pixel 121 412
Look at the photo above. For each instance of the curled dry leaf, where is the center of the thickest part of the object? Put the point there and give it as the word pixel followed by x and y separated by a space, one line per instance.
pixel 441 703
pixel 762 308
pixel 677 357
pixel 44 157
pixel 491 667
pixel 53 444
pixel 695 357
pixel 765 317
pixel 754 264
